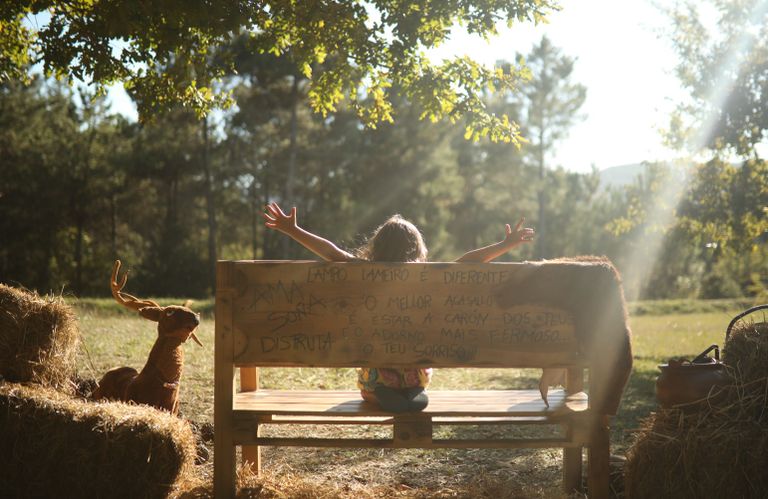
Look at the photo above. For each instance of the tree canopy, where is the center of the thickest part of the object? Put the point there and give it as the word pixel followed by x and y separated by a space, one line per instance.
pixel 170 195
pixel 351 50
pixel 724 67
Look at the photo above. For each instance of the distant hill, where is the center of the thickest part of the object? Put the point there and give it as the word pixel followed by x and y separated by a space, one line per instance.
pixel 617 176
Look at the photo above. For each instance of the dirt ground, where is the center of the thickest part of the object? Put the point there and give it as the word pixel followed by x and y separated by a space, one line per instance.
pixel 417 473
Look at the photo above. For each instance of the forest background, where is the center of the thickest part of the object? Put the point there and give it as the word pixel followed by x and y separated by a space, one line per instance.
pixel 81 185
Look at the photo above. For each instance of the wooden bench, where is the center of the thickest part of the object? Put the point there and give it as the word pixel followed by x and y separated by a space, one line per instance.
pixel 311 314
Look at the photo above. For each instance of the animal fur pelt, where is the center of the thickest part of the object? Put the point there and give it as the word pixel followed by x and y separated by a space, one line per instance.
pixel 590 288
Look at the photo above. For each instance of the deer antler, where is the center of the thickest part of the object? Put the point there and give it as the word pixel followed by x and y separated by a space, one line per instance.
pixel 131 301
pixel 125 299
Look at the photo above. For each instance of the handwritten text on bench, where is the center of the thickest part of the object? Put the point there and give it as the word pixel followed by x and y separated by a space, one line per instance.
pixel 409 310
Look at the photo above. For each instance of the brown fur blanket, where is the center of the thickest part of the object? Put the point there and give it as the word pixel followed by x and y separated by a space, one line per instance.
pixel 590 288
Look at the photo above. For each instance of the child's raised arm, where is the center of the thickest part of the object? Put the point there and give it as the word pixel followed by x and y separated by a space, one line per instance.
pixel 325 249
pixel 493 251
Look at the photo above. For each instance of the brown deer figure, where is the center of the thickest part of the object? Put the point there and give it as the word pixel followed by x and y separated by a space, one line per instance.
pixel 158 382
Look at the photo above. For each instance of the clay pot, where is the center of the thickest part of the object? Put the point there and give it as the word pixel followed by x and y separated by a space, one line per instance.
pixel 684 382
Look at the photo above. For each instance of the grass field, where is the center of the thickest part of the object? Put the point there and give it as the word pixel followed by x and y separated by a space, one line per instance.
pixel 113 339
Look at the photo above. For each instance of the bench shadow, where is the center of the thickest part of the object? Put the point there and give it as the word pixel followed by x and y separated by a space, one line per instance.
pixel 424 470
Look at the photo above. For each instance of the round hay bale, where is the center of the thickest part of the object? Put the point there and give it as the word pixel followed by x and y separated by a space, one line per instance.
pixel 52 445
pixel 686 455
pixel 746 350
pixel 39 338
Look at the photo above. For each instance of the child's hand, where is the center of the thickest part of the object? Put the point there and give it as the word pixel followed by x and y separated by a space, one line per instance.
pixel 518 236
pixel 511 239
pixel 276 219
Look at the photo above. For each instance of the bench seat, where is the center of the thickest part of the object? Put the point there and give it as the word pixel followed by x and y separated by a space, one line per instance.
pixel 467 403
pixel 449 407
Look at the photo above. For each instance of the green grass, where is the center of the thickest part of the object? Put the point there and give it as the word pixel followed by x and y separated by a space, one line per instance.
pixel 115 339
pixel 668 307
pixel 108 306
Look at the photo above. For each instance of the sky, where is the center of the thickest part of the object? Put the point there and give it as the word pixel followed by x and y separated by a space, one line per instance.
pixel 621 58
pixel 626 65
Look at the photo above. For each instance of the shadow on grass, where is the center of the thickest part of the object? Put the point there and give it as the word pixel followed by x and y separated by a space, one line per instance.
pixel 514 380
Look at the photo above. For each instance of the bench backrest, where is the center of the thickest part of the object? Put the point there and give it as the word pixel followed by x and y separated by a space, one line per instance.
pixel 291 313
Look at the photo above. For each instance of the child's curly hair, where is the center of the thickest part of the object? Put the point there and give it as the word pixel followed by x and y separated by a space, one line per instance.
pixel 396 240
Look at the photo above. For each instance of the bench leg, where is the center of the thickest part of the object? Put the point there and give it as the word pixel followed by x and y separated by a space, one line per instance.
pixel 598 472
pixel 224 474
pixel 572 470
pixel 252 456
pixel 572 456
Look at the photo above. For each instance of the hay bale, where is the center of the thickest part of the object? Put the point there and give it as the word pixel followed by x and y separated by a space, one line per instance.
pixel 719 450
pixel 704 454
pixel 39 338
pixel 52 445
pixel 747 350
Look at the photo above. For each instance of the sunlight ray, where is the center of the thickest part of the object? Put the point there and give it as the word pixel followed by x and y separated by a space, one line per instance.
pixel 662 213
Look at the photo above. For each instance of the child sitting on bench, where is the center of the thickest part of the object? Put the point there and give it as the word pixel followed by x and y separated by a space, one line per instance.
pixel 396 240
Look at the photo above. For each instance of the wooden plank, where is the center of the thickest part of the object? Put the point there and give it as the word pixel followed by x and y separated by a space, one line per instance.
pixel 532 443
pixel 478 403
pixel 224 479
pixel 521 360
pixel 364 314
pixel 386 420
pixel 471 420
pixel 330 420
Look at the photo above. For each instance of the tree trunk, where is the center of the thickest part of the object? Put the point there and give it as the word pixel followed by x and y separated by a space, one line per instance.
pixel 289 181
pixel 113 225
pixel 80 202
pixel 266 247
pixel 541 239
pixel 210 204
pixel 44 274
pixel 255 218
pixel 79 222
pixel 170 204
